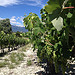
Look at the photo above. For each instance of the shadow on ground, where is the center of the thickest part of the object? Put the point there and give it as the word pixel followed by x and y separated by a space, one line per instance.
pixel 69 71
pixel 3 54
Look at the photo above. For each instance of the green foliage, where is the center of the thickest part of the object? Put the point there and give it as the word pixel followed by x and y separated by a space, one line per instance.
pixel 31 21
pixel 5 26
pixel 11 40
pixel 18 34
pixel 69 15
pixel 54 34
pixel 52 5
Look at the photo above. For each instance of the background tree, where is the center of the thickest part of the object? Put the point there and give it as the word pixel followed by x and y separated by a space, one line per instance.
pixel 5 26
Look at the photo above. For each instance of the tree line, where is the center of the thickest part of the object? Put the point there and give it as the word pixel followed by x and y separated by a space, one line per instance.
pixel 8 39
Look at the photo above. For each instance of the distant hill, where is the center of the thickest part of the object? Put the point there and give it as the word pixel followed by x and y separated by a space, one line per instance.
pixel 17 28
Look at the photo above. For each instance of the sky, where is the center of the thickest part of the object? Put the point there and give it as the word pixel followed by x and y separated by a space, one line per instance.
pixel 16 9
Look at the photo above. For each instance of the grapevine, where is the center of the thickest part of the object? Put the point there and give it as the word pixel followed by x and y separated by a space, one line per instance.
pixel 10 41
pixel 54 35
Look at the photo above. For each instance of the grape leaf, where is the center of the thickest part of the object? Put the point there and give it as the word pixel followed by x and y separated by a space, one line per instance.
pixel 58 23
pixel 52 5
pixel 55 13
pixel 73 19
pixel 38 30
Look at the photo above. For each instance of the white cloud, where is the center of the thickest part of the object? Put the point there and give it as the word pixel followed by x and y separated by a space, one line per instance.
pixel 18 21
pixel 35 3
pixel 13 19
pixel 27 2
pixel 8 2
pixel 17 18
pixel 1 18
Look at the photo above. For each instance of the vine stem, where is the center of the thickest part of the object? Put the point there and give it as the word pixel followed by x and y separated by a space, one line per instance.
pixel 64 3
pixel 68 7
pixel 49 43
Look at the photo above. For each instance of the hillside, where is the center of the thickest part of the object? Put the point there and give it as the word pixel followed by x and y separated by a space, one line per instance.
pixel 17 28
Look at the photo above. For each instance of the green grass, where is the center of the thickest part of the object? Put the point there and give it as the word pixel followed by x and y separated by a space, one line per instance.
pixel 17 58
pixel 23 49
pixel 29 62
pixel 11 66
pixel 22 54
pixel 13 57
pixel 6 59
pixel 3 64
pixel 27 46
pixel 38 60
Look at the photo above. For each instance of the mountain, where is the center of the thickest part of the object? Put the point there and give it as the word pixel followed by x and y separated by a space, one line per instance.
pixel 18 28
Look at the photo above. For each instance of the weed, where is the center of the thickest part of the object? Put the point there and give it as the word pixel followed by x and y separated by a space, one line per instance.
pixel 11 66
pixel 23 49
pixel 13 57
pixel 22 54
pixel 17 57
pixel 6 59
pixel 29 62
pixel 3 64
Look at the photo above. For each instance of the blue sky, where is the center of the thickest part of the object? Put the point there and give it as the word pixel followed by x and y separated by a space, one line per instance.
pixel 15 9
